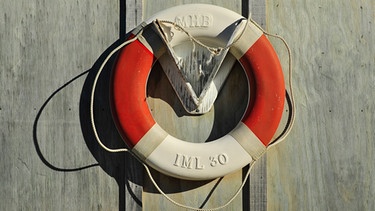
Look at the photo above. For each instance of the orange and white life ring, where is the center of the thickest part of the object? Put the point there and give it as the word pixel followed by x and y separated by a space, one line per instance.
pixel 199 161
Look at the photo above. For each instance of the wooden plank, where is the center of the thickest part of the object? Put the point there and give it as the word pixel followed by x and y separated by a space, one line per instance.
pixel 48 159
pixel 327 163
pixel 171 116
pixel 150 7
pixel 163 103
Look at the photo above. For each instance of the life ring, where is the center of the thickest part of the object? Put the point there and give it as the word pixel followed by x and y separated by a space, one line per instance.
pixel 199 161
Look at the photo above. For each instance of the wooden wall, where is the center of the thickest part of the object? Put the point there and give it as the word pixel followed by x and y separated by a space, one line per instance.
pixel 50 51
pixel 327 163
pixel 48 157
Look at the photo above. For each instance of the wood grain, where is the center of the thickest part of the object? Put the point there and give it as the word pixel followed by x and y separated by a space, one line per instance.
pixel 48 156
pixel 49 159
pixel 327 162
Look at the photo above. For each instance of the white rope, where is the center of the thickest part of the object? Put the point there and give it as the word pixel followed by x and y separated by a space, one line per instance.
pixel 213 50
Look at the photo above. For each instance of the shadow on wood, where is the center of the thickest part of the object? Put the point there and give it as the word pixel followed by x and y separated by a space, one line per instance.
pixel 121 166
pixel 35 132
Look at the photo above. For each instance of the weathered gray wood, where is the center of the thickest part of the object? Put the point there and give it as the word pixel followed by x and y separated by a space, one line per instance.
pixel 151 8
pixel 46 152
pixel 327 163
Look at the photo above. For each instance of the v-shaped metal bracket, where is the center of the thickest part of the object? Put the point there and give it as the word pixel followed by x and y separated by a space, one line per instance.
pixel 196 71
